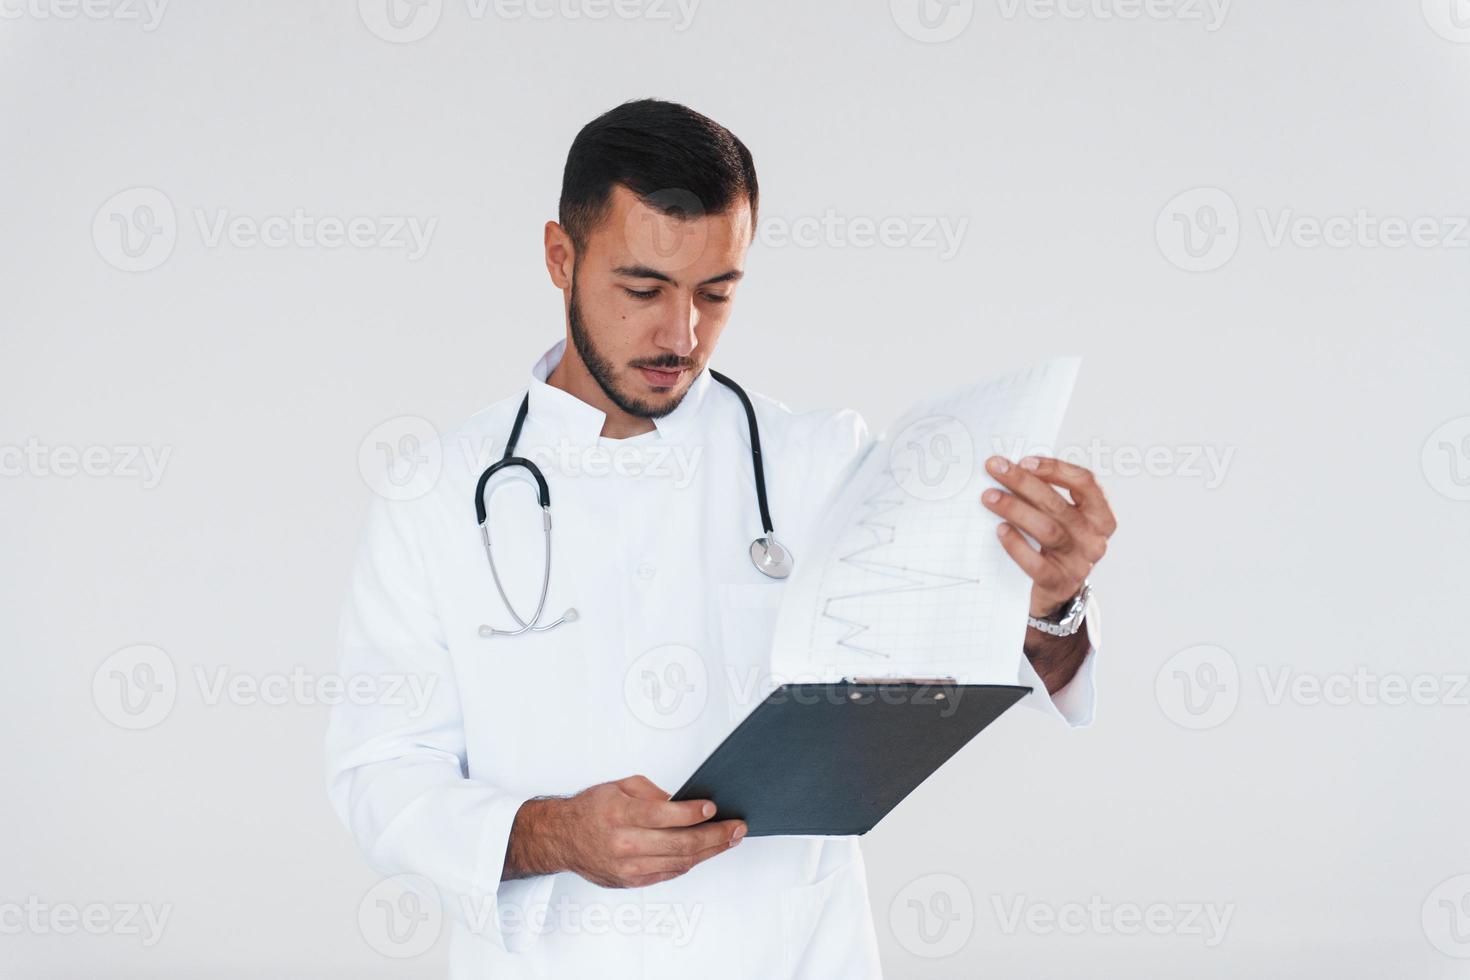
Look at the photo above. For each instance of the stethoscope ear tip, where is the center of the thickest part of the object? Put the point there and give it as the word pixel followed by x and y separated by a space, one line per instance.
pixel 570 616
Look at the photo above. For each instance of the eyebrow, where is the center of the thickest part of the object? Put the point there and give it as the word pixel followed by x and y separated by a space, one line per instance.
pixel 647 272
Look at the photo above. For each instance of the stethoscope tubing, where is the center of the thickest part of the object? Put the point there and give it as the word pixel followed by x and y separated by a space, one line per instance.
pixel 769 556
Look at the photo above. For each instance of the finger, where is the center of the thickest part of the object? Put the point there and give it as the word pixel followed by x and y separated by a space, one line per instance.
pixel 708 853
pixel 692 840
pixel 652 870
pixel 1081 483
pixel 642 788
pixel 1039 568
pixel 658 815
pixel 1034 490
pixel 1051 533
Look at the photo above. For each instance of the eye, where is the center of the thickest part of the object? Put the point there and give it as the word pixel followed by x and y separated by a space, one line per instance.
pixel 717 297
pixel 641 293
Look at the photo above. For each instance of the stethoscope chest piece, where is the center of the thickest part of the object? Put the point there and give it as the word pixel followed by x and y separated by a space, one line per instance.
pixel 770 557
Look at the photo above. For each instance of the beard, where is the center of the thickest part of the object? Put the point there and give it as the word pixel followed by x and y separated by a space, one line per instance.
pixel 603 373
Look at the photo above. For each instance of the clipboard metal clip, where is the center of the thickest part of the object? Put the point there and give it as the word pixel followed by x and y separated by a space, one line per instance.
pixel 940 682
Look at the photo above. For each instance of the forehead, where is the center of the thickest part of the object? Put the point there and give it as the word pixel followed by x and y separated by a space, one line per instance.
pixel 635 232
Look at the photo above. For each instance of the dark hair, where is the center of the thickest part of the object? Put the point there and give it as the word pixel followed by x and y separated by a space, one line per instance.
pixel 673 158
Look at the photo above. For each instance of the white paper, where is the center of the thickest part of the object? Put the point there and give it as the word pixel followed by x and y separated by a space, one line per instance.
pixel 906 576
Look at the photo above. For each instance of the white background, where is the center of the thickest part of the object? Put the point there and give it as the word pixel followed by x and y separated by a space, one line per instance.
pixel 1335 539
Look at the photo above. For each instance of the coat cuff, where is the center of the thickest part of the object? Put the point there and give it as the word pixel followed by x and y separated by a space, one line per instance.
pixel 517 908
pixel 1076 702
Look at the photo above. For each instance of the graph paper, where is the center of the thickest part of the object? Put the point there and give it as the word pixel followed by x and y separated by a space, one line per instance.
pixel 906 576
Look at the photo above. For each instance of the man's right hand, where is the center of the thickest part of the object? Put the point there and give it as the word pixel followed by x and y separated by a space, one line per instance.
pixel 623 834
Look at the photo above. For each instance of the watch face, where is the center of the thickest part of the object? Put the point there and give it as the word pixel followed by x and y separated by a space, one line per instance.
pixel 1078 609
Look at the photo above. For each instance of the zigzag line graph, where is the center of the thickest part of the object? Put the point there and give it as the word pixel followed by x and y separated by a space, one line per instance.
pixel 905 573
pixel 881 533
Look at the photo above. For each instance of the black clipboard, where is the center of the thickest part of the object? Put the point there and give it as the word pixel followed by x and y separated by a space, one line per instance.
pixel 834 759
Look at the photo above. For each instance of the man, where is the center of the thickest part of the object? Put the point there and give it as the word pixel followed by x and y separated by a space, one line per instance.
pixel 532 789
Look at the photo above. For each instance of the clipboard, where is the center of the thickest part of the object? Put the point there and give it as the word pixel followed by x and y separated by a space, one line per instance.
pixel 834 759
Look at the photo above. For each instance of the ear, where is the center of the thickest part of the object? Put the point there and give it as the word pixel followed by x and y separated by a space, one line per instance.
pixel 561 255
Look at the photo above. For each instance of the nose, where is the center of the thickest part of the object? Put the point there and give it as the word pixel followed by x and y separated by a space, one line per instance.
pixel 679 334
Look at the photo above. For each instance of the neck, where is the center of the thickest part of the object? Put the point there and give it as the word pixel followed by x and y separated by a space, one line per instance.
pixel 571 375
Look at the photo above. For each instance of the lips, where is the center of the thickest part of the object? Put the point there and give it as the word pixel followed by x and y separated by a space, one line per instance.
pixel 661 378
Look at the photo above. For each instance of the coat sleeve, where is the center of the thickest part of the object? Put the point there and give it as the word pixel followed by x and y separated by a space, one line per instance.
pixel 396 772
pixel 1076 702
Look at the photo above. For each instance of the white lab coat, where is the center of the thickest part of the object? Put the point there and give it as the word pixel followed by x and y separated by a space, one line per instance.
pixel 651 545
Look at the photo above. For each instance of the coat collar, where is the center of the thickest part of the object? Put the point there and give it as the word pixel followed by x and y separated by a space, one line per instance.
pixel 567 414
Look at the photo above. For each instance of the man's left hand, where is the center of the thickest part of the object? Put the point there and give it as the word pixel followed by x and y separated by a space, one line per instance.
pixel 1073 535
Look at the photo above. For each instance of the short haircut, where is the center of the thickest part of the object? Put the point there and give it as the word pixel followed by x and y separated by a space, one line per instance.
pixel 675 159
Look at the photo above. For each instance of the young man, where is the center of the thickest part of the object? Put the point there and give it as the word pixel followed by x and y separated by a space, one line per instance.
pixel 532 789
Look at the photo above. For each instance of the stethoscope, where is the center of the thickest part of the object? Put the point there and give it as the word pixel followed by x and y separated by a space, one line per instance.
pixel 769 556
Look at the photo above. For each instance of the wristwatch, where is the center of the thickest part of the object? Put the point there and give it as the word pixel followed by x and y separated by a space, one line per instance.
pixel 1069 620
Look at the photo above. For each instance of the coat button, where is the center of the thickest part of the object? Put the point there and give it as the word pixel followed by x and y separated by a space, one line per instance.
pixel 646 570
